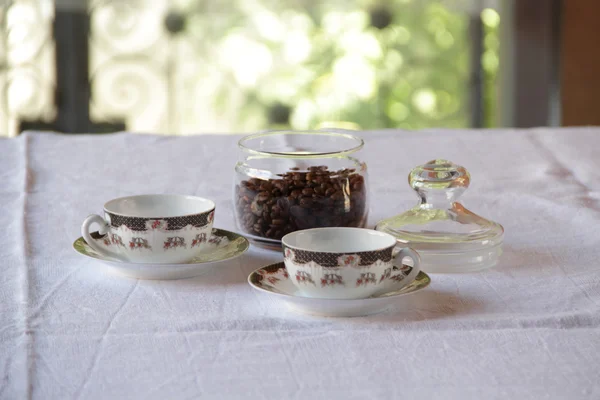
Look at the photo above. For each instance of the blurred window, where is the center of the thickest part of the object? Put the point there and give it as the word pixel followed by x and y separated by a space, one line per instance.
pixel 190 66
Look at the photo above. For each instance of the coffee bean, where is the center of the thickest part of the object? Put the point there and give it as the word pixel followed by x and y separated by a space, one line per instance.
pixel 282 186
pixel 337 195
pixel 256 208
pixel 299 199
pixel 267 218
pixel 298 211
pixel 263 196
pixel 306 202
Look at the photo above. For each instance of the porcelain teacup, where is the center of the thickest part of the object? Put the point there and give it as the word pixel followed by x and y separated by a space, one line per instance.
pixel 156 228
pixel 346 263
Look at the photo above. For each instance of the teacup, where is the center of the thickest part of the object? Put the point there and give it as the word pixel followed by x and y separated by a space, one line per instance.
pixel 345 263
pixel 156 228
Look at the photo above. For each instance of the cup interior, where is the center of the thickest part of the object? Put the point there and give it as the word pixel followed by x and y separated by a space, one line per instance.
pixel 159 205
pixel 338 240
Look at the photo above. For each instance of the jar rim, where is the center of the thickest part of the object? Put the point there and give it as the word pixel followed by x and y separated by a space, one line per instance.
pixel 242 143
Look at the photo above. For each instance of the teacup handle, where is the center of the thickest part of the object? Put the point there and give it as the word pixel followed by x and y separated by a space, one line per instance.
pixel 416 259
pixel 103 229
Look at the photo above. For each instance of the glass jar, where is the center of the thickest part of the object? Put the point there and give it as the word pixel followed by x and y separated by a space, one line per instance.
pixel 291 180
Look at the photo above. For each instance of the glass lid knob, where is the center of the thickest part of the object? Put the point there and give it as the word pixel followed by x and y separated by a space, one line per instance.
pixel 439 181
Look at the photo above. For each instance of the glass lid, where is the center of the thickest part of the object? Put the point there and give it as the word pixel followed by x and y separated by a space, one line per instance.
pixel 440 226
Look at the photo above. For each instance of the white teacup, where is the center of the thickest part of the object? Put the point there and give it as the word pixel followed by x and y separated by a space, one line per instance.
pixel 156 228
pixel 345 263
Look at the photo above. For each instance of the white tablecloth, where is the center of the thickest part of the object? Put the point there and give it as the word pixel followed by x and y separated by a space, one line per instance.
pixel 527 329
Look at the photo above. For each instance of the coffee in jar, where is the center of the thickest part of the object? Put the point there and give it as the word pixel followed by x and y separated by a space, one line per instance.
pixel 313 198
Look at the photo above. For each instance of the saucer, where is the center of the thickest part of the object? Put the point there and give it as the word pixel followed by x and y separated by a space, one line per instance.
pixel 274 280
pixel 222 246
pixel 262 242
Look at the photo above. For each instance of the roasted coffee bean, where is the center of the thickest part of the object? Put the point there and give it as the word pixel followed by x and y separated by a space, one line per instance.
pixel 306 202
pixel 256 208
pixel 282 186
pixel 299 200
pixel 337 195
pixel 266 186
pixel 263 196
pixel 298 212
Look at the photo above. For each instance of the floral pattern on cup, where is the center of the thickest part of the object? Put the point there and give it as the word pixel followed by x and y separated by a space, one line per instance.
pixel 387 273
pixel 337 260
pixel 174 242
pixel 350 273
pixel 304 277
pixel 156 224
pixel 138 243
pixel 349 260
pixel 288 253
pixel 140 224
pixel 332 280
pixel 199 239
pixel 116 240
pixel 366 278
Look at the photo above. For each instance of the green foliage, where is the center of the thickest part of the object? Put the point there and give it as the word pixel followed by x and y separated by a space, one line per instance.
pixel 363 64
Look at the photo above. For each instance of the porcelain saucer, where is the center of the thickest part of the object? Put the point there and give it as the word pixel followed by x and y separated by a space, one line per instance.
pixel 222 246
pixel 274 281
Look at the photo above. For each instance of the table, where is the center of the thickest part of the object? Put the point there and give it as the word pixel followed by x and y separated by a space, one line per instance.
pixel 527 329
